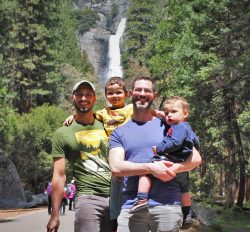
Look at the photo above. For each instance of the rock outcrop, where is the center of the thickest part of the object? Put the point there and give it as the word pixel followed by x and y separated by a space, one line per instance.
pixel 205 215
pixel 12 194
pixel 11 190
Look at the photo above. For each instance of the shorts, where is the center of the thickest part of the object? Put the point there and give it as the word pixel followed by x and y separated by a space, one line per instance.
pixel 92 214
pixel 181 178
pixel 165 218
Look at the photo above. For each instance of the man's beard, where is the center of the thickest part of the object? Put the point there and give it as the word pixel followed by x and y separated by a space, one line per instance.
pixel 82 109
pixel 138 105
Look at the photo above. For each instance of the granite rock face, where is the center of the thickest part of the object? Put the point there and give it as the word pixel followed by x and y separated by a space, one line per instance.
pixel 11 189
pixel 12 194
pixel 205 215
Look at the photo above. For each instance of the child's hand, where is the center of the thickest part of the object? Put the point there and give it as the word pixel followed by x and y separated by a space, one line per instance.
pixel 158 113
pixel 69 120
pixel 112 122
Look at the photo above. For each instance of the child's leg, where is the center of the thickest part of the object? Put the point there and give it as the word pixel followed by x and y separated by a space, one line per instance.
pixel 142 194
pixel 186 199
pixel 144 184
pixel 186 203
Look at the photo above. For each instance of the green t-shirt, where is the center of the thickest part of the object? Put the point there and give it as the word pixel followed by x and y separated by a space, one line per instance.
pixel 85 147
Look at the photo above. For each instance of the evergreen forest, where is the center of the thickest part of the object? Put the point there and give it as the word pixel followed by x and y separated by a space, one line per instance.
pixel 196 49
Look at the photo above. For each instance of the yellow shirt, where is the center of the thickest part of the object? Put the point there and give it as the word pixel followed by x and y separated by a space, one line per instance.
pixel 114 118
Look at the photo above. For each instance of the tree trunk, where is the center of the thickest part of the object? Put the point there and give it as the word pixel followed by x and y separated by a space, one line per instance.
pixel 230 164
pixel 242 162
pixel 234 146
pixel 248 187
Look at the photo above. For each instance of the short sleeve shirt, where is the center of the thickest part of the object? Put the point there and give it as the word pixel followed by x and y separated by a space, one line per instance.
pixel 137 139
pixel 85 147
pixel 113 118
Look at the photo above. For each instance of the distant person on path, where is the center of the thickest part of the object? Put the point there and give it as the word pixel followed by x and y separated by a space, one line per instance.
pixel 130 150
pixel 112 116
pixel 48 192
pixel 72 195
pixel 84 145
pixel 64 201
pixel 176 146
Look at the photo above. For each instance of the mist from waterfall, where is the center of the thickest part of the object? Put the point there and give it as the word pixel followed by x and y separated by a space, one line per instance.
pixel 115 68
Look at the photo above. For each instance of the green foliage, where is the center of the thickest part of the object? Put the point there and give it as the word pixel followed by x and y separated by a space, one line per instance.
pixel 198 50
pixel 85 19
pixel 27 34
pixel 4 112
pixel 142 19
pixel 73 64
pixel 140 25
pixel 111 16
pixel 36 40
pixel 234 219
pixel 30 136
pixel 67 47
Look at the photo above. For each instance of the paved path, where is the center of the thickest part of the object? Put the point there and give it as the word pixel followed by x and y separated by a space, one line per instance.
pixel 36 222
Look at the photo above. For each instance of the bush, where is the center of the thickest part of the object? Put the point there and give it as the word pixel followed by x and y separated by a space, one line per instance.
pixel 29 144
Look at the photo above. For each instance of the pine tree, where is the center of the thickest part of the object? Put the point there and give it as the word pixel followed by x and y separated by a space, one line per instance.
pixel 198 51
pixel 28 62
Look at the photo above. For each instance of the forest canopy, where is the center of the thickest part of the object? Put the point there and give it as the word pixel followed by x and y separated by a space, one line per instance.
pixel 198 50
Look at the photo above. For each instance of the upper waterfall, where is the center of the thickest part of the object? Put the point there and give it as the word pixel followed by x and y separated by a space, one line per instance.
pixel 114 67
pixel 95 41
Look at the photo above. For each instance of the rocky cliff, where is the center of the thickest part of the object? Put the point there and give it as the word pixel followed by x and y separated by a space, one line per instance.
pixel 11 189
pixel 12 194
pixel 95 41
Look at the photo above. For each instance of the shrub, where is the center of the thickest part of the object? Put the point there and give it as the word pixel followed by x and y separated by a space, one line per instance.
pixel 29 144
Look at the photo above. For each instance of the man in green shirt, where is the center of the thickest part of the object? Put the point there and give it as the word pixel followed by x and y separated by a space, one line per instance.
pixel 84 145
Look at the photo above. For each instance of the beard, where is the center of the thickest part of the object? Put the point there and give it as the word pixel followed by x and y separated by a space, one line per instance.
pixel 82 109
pixel 146 105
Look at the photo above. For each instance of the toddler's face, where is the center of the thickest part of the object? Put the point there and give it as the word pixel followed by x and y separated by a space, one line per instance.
pixel 174 113
pixel 116 96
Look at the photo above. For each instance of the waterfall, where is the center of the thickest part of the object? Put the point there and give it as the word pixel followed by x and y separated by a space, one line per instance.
pixel 115 68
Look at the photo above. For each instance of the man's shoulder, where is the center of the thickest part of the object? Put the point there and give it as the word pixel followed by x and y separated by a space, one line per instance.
pixel 65 129
pixel 74 127
pixel 60 135
pixel 62 129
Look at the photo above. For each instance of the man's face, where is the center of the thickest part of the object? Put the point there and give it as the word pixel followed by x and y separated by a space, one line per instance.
pixel 84 98
pixel 143 94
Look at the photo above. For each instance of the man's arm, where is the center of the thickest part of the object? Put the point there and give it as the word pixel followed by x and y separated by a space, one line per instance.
pixel 120 167
pixel 58 182
pixel 192 162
